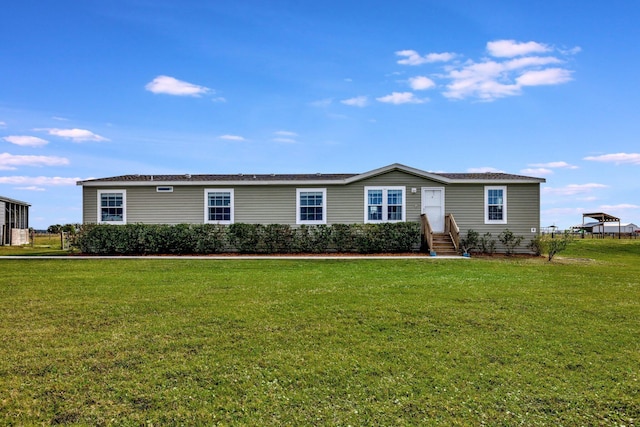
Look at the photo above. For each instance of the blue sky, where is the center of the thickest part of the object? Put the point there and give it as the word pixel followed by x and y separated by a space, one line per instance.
pixel 92 89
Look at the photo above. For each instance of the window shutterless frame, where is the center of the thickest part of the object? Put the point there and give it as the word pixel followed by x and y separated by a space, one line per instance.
pixel 219 206
pixel 495 204
pixel 385 204
pixel 112 206
pixel 311 206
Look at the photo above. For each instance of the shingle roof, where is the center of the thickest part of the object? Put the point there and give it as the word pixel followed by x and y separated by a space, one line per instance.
pixel 338 178
pixel 498 176
pixel 226 178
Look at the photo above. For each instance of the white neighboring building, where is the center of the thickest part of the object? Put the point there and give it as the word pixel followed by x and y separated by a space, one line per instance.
pixel 614 228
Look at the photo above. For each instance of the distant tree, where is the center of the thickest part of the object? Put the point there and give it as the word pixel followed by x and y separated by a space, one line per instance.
pixel 54 229
pixel 69 228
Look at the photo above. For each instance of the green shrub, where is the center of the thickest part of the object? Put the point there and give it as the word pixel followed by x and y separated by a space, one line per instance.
pixel 487 244
pixel 343 237
pixel 510 241
pixel 550 244
pixel 210 238
pixel 537 245
pixel 470 242
pixel 245 238
pixel 156 239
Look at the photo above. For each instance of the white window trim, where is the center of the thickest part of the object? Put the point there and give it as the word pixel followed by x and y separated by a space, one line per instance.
pixel 324 205
pixel 504 204
pixel 384 203
pixel 206 205
pixel 124 206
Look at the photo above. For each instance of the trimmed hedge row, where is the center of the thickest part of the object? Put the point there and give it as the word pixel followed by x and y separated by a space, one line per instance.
pixel 149 239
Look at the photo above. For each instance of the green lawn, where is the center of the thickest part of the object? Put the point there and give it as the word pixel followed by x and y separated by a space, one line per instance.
pixel 323 342
pixel 43 244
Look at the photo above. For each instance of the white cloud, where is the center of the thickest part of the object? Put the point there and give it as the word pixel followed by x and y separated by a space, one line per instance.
pixel 490 80
pixel 621 206
pixel 172 86
pixel 511 48
pixel 60 119
pixel 512 66
pixel 30 188
pixel 536 171
pixel 530 61
pixel 285 137
pixel 3 124
pixel 554 165
pixel 76 135
pixel 401 98
pixel 571 51
pixel 411 57
pixel 484 169
pixel 322 103
pixel 550 76
pixel 573 189
pixel 285 133
pixel 11 162
pixel 232 138
pixel 219 99
pixel 358 101
pixel 25 140
pixel 564 215
pixel 337 116
pixel 421 83
pixel 479 86
pixel 617 158
pixel 37 181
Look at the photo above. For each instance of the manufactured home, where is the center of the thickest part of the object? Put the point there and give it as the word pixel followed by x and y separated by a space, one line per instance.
pixel 484 202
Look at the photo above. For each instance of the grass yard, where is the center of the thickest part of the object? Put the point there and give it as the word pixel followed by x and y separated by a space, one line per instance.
pixel 43 244
pixel 323 342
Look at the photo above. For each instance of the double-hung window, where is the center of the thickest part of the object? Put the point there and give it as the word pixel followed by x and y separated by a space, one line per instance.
pixel 218 206
pixel 384 204
pixel 311 206
pixel 112 206
pixel 495 205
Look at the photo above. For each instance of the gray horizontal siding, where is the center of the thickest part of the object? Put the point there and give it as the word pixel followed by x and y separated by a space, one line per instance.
pixel 345 203
pixel 523 210
pixel 265 204
pixel 89 205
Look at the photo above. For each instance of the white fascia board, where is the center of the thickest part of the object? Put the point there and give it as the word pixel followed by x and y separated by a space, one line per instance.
pixel 400 167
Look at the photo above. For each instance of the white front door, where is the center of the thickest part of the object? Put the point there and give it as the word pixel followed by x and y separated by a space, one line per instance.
pixel 433 207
